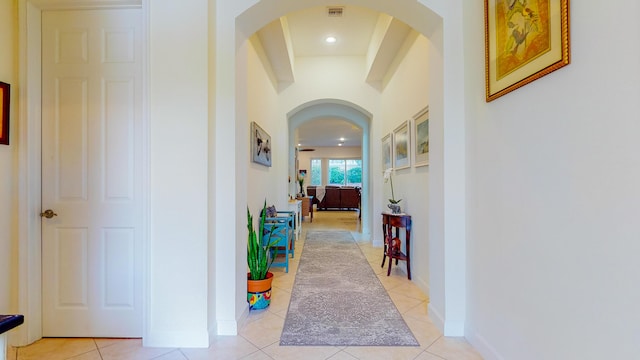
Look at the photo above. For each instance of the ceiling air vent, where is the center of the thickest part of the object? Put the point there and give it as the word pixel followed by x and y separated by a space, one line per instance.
pixel 307 150
pixel 335 11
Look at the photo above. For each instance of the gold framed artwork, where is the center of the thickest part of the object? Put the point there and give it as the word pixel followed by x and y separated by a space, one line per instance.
pixel 524 41
pixel 5 92
pixel 402 146
pixel 421 138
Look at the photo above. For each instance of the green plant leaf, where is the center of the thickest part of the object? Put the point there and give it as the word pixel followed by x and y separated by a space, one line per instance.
pixel 260 253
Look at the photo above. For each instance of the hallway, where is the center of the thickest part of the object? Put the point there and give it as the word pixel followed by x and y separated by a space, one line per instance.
pixel 259 337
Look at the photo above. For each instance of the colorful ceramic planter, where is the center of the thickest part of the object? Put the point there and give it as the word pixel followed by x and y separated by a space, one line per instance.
pixel 259 292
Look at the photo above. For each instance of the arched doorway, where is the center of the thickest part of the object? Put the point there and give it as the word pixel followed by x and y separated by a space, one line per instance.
pixel 352 114
pixel 447 216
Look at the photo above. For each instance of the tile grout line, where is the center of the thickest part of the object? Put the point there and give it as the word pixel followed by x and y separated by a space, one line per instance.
pixel 183 354
pixel 98 348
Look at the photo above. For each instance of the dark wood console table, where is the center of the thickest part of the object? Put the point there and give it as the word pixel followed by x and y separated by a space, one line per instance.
pixel 307 206
pixel 397 221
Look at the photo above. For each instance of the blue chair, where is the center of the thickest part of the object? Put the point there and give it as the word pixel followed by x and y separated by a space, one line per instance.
pixel 281 228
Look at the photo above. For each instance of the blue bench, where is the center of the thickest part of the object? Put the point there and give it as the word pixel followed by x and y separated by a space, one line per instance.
pixel 282 232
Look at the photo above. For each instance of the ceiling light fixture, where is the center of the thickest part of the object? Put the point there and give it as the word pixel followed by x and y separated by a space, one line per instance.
pixel 331 39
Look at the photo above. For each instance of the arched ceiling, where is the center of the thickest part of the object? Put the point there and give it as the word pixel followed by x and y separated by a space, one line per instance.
pixel 359 32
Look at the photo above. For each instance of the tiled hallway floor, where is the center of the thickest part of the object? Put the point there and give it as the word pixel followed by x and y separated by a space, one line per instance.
pixel 260 335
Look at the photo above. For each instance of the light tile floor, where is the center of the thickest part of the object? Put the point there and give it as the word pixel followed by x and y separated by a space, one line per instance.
pixel 259 337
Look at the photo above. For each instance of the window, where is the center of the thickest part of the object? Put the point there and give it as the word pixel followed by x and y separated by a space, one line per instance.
pixel 316 172
pixel 354 172
pixel 336 172
pixel 345 172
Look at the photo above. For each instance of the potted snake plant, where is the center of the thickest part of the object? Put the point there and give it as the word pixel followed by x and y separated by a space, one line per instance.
pixel 260 256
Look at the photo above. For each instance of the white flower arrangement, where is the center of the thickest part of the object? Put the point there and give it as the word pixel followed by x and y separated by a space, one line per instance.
pixel 389 178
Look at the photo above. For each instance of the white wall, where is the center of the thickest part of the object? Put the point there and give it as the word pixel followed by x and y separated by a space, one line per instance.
pixel 406 94
pixel 8 170
pixel 554 198
pixel 344 82
pixel 266 183
pixel 178 113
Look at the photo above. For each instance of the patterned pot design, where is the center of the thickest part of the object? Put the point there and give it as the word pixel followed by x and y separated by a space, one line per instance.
pixel 259 292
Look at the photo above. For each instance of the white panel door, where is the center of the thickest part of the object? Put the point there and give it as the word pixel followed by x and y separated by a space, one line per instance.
pixel 91 173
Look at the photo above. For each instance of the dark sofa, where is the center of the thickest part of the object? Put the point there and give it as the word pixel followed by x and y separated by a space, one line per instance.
pixel 337 197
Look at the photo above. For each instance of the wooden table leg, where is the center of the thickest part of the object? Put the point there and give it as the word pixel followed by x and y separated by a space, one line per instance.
pixel 384 247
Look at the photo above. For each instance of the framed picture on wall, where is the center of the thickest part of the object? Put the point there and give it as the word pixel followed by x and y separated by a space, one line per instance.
pixel 4 113
pixel 260 145
pixel 524 41
pixel 421 140
pixel 401 146
pixel 387 152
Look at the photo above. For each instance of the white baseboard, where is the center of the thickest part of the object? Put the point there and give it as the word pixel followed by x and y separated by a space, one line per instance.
pixel 436 317
pixel 422 284
pixel 177 339
pixel 479 343
pixel 241 321
pixel 476 340
pixel 453 328
pixel 227 327
pixel 230 327
pixel 448 328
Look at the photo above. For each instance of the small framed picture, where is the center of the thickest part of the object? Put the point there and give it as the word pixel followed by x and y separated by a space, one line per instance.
pixel 401 146
pixel 387 152
pixel 260 145
pixel 421 140
pixel 4 113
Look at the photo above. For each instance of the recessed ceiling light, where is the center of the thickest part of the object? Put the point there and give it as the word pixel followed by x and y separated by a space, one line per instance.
pixel 341 139
pixel 331 39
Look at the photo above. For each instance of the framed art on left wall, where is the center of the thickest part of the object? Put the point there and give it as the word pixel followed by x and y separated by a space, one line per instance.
pixel 5 91
pixel 260 145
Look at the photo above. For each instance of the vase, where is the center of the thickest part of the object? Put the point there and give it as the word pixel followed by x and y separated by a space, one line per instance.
pixel 259 292
pixel 395 208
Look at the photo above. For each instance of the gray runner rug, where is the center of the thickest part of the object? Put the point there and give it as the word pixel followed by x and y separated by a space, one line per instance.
pixel 338 300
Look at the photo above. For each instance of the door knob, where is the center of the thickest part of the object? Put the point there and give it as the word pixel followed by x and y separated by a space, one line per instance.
pixel 48 214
